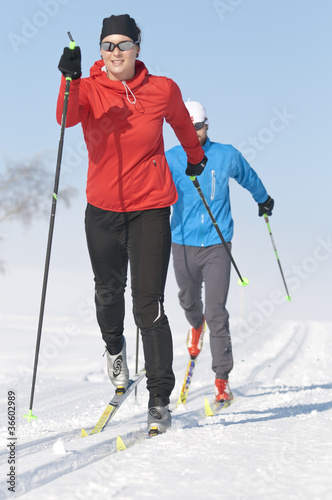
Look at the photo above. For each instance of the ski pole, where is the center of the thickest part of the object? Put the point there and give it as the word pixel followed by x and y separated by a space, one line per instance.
pixel 241 281
pixel 137 347
pixel 30 416
pixel 276 254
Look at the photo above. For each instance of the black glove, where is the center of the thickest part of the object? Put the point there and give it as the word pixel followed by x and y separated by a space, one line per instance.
pixel 196 169
pixel 266 207
pixel 70 63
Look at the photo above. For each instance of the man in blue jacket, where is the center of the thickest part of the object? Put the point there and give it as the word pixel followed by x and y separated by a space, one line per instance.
pixel 198 254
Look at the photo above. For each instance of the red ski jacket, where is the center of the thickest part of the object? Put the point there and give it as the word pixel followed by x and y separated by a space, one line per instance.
pixel 122 124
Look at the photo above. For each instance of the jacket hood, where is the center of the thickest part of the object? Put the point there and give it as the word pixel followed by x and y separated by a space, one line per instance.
pixel 98 71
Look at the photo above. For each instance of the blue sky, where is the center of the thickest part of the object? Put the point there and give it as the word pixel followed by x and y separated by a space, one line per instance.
pixel 262 68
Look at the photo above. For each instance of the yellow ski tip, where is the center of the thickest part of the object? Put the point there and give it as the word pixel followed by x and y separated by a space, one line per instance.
pixel 179 402
pixel 83 433
pixel 207 407
pixel 120 446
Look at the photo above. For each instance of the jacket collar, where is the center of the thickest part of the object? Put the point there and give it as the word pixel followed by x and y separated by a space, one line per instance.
pixel 141 74
pixel 207 144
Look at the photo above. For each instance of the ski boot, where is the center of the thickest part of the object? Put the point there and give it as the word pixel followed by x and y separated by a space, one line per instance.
pixel 159 416
pixel 195 340
pixel 117 369
pixel 222 390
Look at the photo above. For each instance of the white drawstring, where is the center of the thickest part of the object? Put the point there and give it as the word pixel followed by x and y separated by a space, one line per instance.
pixel 127 88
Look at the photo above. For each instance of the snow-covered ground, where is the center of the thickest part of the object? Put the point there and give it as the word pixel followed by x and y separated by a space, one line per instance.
pixel 274 442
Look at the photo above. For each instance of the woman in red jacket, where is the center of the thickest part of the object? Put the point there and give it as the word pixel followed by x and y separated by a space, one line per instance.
pixel 121 108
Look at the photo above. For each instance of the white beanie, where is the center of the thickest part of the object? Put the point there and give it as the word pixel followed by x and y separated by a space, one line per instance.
pixel 197 112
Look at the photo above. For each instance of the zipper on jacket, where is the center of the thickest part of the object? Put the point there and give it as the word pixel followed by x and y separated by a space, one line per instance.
pixel 159 174
pixel 204 185
pixel 202 230
pixel 213 185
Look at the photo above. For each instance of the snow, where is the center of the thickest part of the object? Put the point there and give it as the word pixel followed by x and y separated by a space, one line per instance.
pixel 273 442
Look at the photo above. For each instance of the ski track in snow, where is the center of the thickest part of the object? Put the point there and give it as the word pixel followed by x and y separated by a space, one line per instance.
pixel 274 366
pixel 275 441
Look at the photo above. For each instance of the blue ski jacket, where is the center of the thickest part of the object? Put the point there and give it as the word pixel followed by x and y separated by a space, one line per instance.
pixel 190 223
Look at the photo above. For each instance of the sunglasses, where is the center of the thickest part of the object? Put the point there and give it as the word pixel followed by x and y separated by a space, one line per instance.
pixel 199 125
pixel 123 46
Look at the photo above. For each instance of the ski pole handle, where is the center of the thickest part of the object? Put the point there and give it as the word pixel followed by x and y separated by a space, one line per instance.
pixel 72 44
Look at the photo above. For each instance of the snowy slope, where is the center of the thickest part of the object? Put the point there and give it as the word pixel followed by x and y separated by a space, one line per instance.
pixel 274 442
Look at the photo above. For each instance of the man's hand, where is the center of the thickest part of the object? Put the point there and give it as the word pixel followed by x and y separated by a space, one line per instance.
pixel 266 207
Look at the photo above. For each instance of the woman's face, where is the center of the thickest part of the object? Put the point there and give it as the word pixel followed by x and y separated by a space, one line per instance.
pixel 120 64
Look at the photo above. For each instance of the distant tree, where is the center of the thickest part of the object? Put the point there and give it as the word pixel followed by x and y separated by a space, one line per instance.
pixel 26 190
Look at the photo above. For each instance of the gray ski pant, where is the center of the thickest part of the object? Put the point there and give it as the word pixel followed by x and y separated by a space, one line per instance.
pixel 211 265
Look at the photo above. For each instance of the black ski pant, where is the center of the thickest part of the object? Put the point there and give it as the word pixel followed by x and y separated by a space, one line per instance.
pixel 143 238
pixel 211 265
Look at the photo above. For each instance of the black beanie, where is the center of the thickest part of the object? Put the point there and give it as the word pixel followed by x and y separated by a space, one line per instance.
pixel 119 25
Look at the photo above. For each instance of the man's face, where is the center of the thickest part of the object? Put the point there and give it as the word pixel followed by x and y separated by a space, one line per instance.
pixel 202 134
